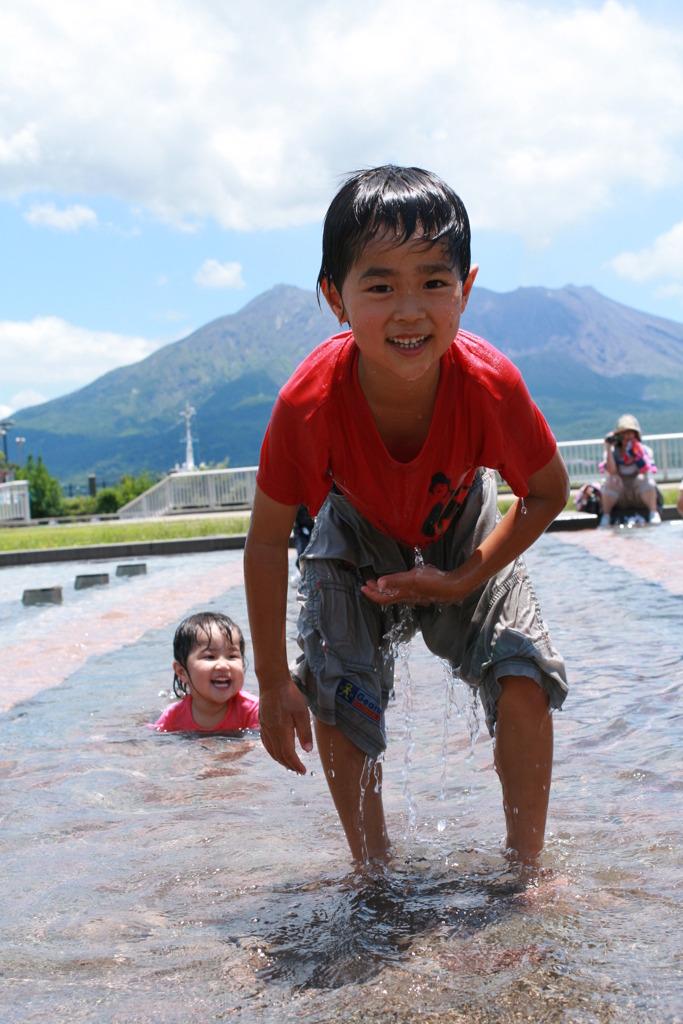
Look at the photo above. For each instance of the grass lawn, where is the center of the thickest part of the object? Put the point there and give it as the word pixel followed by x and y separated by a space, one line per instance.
pixel 68 535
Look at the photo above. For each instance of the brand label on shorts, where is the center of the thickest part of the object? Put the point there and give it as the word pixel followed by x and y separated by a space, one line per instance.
pixel 363 702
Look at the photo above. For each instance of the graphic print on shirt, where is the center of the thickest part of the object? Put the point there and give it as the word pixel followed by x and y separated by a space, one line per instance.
pixel 448 504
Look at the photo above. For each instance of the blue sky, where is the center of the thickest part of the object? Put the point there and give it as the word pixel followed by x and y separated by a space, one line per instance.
pixel 161 164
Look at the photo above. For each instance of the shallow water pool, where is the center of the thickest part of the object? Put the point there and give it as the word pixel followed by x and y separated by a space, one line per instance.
pixel 169 878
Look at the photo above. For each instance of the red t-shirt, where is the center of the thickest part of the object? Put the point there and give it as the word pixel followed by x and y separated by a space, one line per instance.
pixel 322 431
pixel 242 713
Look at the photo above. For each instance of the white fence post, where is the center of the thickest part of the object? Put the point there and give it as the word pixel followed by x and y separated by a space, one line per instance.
pixel 582 457
pixel 215 490
pixel 211 490
pixel 14 502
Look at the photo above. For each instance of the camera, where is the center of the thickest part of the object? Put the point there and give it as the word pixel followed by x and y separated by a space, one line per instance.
pixel 613 439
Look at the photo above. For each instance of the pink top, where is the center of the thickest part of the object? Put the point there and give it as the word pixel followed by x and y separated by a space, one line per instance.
pixel 242 713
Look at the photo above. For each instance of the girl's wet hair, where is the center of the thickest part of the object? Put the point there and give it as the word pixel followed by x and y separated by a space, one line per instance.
pixel 194 631
pixel 400 201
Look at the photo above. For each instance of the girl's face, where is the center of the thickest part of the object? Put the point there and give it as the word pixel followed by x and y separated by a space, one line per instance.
pixel 215 670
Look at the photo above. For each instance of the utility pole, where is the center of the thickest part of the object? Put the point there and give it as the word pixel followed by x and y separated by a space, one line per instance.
pixel 187 414
pixel 4 427
pixel 20 441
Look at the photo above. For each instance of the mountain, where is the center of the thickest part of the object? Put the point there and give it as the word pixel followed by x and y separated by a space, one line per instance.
pixel 585 359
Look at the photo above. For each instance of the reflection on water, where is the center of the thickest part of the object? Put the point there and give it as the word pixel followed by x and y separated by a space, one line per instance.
pixel 170 878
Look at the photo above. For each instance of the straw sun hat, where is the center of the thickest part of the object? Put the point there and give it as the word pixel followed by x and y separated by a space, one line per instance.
pixel 627 422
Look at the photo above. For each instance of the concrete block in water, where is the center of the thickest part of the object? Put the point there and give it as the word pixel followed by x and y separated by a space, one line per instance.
pixel 96 579
pixel 43 595
pixel 134 569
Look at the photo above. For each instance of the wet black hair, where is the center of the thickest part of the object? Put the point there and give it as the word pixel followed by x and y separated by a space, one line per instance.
pixel 188 637
pixel 403 201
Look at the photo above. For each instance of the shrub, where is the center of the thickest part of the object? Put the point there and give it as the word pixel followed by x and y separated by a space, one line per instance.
pixel 45 494
pixel 131 486
pixel 80 505
pixel 109 500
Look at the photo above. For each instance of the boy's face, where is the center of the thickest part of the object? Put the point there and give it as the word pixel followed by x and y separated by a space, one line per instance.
pixel 215 671
pixel 403 302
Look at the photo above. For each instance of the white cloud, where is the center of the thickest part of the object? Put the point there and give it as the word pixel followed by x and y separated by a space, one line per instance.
pixel 48 356
pixel 70 219
pixel 670 291
pixel 249 113
pixel 23 399
pixel 662 260
pixel 213 274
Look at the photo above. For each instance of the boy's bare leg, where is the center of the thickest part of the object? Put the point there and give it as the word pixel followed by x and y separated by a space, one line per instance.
pixel 523 756
pixel 355 782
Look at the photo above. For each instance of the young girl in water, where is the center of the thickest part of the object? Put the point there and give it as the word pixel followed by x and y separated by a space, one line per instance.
pixel 208 652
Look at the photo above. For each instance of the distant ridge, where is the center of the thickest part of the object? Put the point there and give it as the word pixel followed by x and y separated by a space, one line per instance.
pixel 585 359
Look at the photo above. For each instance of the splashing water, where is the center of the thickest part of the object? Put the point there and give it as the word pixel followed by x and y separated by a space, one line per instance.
pixel 459 697
pixel 398 647
pixel 370 776
pixel 463 699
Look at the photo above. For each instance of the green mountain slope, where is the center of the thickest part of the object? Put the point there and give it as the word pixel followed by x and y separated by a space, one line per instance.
pixel 585 359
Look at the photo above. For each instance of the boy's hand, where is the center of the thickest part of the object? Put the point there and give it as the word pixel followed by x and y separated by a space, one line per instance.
pixel 282 714
pixel 423 585
pixel 521 525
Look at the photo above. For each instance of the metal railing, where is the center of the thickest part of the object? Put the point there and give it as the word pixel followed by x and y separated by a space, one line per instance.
pixel 221 489
pixel 200 490
pixel 14 502
pixel 583 457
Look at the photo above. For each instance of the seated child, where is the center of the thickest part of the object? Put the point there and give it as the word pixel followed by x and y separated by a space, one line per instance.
pixel 208 651
pixel 629 467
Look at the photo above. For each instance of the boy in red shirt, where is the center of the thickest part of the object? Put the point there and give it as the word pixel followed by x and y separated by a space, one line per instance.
pixel 377 428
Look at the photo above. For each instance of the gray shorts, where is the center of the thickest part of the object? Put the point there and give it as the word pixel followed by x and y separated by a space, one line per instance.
pixel 346 670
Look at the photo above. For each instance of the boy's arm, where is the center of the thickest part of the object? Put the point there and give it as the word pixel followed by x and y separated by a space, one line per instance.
pixel 282 709
pixel 548 494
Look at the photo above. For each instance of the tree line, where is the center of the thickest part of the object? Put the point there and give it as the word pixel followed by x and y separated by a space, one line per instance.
pixel 47 499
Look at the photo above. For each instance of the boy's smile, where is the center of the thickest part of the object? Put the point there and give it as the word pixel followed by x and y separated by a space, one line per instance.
pixel 403 302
